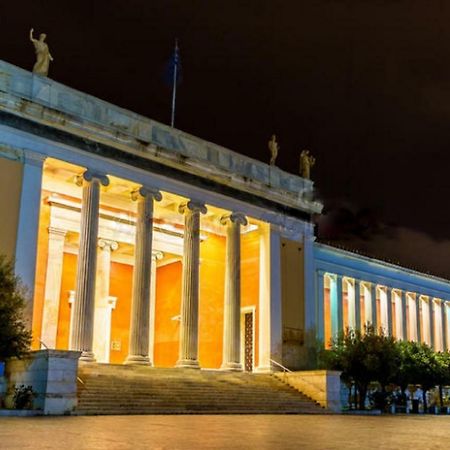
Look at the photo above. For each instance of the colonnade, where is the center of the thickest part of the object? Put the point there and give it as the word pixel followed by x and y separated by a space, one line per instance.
pixel 407 315
pixel 87 283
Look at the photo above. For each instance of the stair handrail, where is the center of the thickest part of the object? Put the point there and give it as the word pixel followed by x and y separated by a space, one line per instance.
pixel 285 369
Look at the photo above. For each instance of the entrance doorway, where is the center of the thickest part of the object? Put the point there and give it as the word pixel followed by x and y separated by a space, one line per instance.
pixel 248 338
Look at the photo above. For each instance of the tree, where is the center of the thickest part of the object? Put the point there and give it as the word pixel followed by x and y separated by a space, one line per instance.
pixel 443 375
pixel 364 358
pixel 15 339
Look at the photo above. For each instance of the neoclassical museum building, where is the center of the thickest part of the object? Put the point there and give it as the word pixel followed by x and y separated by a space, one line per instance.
pixel 141 244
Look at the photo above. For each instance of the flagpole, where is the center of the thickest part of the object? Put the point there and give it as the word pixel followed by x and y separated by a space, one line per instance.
pixel 174 87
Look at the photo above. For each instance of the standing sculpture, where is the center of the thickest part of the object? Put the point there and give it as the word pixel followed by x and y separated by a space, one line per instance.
pixel 43 56
pixel 306 162
pixel 273 147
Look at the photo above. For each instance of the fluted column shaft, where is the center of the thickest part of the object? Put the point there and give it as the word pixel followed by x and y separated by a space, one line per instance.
pixel 373 300
pixel 389 311
pixel 445 343
pixel 418 318
pixel 231 358
pixel 188 351
pixel 430 325
pixel 358 305
pixel 84 305
pixel 140 305
pixel 404 317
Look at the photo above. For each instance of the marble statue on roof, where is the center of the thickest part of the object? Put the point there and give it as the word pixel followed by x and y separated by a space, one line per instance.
pixel 43 56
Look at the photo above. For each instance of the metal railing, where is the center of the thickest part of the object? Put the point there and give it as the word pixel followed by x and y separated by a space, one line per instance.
pixel 283 368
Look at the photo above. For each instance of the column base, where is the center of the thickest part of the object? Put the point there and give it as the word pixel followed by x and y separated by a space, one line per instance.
pixel 187 364
pixel 231 367
pixel 264 369
pixel 138 360
pixel 87 357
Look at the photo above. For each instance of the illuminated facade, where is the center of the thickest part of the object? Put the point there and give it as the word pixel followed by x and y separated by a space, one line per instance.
pixel 141 244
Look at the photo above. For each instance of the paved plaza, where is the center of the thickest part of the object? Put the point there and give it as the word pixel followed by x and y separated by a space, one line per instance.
pixel 225 432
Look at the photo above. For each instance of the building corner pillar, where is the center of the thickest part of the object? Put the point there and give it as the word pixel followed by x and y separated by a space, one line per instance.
pixel 28 228
pixel 270 324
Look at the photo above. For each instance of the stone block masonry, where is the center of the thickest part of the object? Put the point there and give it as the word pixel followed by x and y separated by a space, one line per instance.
pixel 52 374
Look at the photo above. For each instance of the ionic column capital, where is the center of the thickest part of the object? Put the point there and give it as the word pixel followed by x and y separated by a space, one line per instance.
pixel 237 218
pixel 57 232
pixel 89 175
pixel 107 244
pixel 157 255
pixel 192 206
pixel 144 192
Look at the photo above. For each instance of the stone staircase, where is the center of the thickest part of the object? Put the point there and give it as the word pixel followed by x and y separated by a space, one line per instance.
pixel 116 389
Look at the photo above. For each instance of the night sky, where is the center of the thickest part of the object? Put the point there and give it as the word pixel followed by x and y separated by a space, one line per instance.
pixel 365 85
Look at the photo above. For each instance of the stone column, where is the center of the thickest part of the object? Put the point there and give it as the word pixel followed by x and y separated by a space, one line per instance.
pixel 53 280
pixel 404 317
pixel 104 303
pixel 373 300
pixel 431 307
pixel 84 304
pixel 444 325
pixel 357 305
pixel 140 305
pixel 339 304
pixel 389 310
pixel 418 318
pixel 320 319
pixel 231 358
pixel 188 352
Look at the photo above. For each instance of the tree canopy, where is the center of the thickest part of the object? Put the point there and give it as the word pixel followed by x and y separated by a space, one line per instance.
pixel 14 336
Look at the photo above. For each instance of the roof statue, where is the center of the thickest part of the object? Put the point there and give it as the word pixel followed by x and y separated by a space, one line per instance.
pixel 273 147
pixel 306 162
pixel 43 56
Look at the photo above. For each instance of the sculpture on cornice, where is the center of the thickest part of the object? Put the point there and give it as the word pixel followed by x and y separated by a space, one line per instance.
pixel 43 56
pixel 306 162
pixel 273 147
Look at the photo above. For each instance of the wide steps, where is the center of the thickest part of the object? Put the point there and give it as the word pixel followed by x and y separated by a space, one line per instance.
pixel 113 389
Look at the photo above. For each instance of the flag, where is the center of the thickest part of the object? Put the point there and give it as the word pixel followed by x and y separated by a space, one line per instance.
pixel 173 70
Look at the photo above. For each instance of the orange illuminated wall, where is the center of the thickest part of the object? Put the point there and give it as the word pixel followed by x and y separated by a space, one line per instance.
pixel 120 287
pixel 345 309
pixel 67 285
pixel 327 317
pixel 41 270
pixel 121 283
pixel 250 279
pixel 212 284
pixel 212 279
pixel 167 306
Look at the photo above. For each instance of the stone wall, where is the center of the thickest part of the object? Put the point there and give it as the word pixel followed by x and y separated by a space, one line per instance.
pixel 52 374
pixel 323 386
